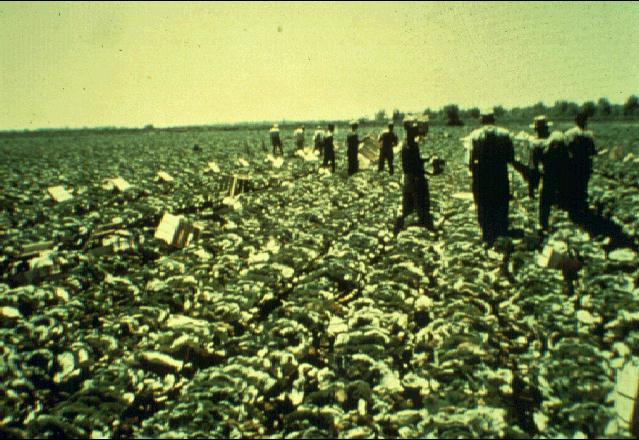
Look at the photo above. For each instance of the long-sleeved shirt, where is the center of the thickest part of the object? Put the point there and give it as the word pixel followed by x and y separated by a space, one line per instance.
pixel 388 139
pixel 581 149
pixel 412 162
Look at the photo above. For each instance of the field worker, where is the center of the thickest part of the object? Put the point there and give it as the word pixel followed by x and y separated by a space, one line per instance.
pixel 387 140
pixel 275 140
pixel 581 149
pixel 318 139
pixel 491 150
pixel 299 137
pixel 329 147
pixel 415 194
pixel 541 125
pixel 352 143
pixel 550 151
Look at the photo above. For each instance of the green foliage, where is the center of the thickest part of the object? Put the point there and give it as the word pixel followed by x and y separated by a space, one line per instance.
pixel 499 111
pixel 398 116
pixel 631 106
pixel 603 107
pixel 452 115
pixel 588 108
pixel 473 113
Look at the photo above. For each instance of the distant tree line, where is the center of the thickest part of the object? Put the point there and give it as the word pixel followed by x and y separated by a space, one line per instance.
pixel 451 114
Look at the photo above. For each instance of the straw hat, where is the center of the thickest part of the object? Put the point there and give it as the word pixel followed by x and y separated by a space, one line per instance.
pixel 540 121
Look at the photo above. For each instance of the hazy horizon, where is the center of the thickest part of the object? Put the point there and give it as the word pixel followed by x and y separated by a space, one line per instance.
pixel 131 64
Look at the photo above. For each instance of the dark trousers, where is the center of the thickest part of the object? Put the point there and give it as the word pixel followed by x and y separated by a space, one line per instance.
pixel 353 163
pixel 549 196
pixel 386 154
pixel 329 157
pixel 319 146
pixel 578 205
pixel 492 216
pixel 278 146
pixel 415 197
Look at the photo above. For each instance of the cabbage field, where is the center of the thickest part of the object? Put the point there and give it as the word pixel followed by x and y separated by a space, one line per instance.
pixel 296 312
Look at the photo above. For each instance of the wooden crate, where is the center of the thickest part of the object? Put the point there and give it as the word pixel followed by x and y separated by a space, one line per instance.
pixel 370 150
pixel 626 395
pixel 176 231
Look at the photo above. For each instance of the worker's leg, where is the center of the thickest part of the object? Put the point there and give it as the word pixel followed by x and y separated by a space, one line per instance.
pixel 422 203
pixel 544 207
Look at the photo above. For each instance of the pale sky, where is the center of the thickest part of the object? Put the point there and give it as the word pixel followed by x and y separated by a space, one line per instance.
pixel 131 64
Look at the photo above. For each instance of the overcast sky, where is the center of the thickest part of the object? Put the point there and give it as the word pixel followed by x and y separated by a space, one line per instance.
pixel 132 64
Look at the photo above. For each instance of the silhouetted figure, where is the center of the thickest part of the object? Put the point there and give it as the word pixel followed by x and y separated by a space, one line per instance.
pixel 329 147
pixel 492 149
pixel 276 142
pixel 352 151
pixel 581 149
pixel 352 147
pixel 318 139
pixel 298 134
pixel 552 154
pixel 388 140
pixel 415 194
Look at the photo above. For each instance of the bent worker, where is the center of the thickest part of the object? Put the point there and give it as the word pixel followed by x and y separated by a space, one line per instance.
pixel 491 150
pixel 581 149
pixel 415 194
pixel 388 140
pixel 550 151
pixel 329 147
pixel 276 142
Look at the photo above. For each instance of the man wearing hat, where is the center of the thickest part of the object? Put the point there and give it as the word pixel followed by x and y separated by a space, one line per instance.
pixel 275 140
pixel 388 140
pixel 550 151
pixel 491 149
pixel 581 149
pixel 298 134
pixel 329 147
pixel 415 194
pixel 541 125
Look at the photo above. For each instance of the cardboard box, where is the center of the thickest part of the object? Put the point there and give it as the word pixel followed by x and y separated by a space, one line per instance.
pixel 59 194
pixel 117 184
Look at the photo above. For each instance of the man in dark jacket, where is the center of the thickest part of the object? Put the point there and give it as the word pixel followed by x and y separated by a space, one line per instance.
pixel 329 147
pixel 581 149
pixel 388 140
pixel 550 151
pixel 415 194
pixel 352 144
pixel 492 149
